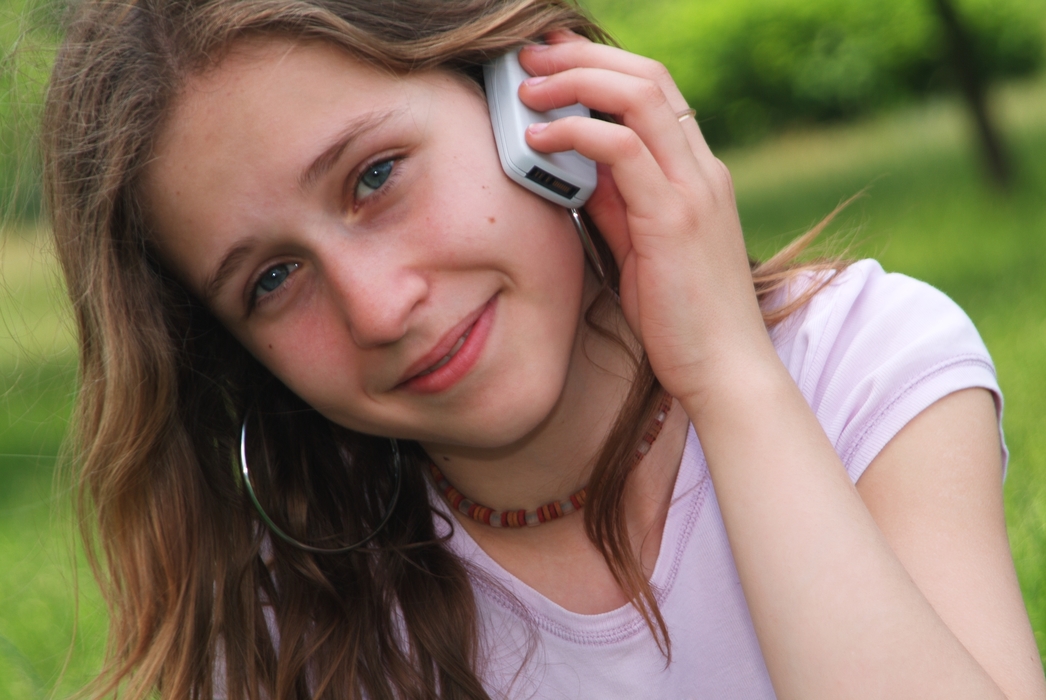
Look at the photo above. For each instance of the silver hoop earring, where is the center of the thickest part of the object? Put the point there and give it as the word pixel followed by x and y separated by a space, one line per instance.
pixel 397 467
pixel 586 243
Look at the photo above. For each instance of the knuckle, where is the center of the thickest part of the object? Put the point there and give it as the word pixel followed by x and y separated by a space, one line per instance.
pixel 657 71
pixel 702 197
pixel 681 216
pixel 629 143
pixel 688 219
pixel 578 50
pixel 650 93
pixel 724 181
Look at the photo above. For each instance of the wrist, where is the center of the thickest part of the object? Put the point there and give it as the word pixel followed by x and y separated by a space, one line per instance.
pixel 736 380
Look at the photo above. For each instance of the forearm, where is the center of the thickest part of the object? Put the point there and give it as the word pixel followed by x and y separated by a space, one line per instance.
pixel 835 612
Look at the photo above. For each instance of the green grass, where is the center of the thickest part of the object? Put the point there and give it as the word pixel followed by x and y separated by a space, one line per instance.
pixel 927 213
pixel 37 376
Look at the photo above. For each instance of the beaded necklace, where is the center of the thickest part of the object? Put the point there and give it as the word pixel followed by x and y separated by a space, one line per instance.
pixel 549 511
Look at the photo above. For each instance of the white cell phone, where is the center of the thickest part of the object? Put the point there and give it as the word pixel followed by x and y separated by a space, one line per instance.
pixel 566 178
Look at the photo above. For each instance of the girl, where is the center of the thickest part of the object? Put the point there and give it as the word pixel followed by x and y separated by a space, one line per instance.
pixel 301 277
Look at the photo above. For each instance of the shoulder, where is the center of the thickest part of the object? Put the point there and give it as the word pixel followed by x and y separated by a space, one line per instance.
pixel 866 310
pixel 873 349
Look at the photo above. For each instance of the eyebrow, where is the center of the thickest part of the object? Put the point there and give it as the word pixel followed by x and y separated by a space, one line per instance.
pixel 230 261
pixel 326 160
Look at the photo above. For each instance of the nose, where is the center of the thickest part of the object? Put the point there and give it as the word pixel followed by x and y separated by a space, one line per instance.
pixel 376 296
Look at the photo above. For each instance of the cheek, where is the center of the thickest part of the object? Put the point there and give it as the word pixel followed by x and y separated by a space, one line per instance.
pixel 551 253
pixel 311 355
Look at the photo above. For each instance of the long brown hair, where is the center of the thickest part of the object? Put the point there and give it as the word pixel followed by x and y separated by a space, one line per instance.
pixel 197 593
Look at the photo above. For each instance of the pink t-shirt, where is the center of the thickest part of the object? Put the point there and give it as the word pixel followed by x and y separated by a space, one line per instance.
pixel 869 352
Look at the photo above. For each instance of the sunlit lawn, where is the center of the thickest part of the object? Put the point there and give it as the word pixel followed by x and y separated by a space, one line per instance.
pixel 926 213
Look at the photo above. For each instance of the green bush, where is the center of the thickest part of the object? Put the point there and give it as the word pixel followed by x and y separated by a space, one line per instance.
pixel 752 66
pixel 28 35
pixel 748 66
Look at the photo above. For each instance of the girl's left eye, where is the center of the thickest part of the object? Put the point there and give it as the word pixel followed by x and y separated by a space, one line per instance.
pixel 373 178
pixel 272 279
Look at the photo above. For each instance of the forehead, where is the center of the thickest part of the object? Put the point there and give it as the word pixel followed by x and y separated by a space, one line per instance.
pixel 263 85
pixel 265 99
pixel 260 83
pixel 240 134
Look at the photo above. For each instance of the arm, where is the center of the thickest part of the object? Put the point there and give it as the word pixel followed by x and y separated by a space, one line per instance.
pixel 936 494
pixel 836 610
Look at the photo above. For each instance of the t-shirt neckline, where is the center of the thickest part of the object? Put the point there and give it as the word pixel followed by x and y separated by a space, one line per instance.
pixel 503 589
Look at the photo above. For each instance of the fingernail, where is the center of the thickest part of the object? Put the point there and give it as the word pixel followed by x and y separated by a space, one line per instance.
pixel 537 127
pixel 536 80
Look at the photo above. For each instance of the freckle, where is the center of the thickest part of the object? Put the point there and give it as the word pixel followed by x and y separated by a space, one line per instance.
pixel 490 219
pixel 270 347
pixel 446 459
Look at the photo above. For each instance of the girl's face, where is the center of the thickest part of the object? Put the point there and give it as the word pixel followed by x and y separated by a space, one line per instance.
pixel 355 231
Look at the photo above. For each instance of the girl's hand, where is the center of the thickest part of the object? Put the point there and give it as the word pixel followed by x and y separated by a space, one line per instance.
pixel 835 609
pixel 664 204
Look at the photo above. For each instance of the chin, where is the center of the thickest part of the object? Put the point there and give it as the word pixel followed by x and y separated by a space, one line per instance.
pixel 500 417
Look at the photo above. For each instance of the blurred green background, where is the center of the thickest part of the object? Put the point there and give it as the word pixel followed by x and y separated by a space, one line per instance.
pixel 808 102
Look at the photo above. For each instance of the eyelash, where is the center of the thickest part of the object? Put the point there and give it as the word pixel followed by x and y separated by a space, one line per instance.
pixel 376 194
pixel 254 299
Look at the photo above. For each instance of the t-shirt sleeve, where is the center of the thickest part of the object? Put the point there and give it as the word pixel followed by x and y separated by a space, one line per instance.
pixel 872 350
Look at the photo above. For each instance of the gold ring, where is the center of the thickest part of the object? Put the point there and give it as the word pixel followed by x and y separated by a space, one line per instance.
pixel 686 114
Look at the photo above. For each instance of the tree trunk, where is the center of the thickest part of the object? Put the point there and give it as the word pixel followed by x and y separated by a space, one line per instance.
pixel 972 82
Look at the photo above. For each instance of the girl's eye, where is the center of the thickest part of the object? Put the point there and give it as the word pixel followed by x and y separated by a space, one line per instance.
pixel 272 278
pixel 373 178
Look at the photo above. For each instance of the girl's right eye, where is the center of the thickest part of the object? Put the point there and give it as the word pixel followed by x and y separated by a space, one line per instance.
pixel 373 178
pixel 272 278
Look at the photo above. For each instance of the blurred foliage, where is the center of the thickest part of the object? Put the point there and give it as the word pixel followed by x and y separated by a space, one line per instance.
pixel 751 67
pixel 28 35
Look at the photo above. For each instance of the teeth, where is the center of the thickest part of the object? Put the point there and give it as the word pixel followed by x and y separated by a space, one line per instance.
pixel 448 356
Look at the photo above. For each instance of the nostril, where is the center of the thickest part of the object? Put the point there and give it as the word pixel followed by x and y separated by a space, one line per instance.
pixel 379 309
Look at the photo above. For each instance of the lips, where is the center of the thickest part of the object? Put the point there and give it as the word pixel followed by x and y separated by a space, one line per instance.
pixel 446 358
pixel 453 356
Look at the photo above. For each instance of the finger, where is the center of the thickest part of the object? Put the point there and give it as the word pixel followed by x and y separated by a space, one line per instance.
pixel 639 103
pixel 606 200
pixel 565 53
pixel 641 184
pixel 546 59
pixel 606 203
pixel 561 36
pixel 608 211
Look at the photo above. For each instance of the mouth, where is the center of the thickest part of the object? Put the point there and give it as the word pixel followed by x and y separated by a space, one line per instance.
pixel 454 355
pixel 448 356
